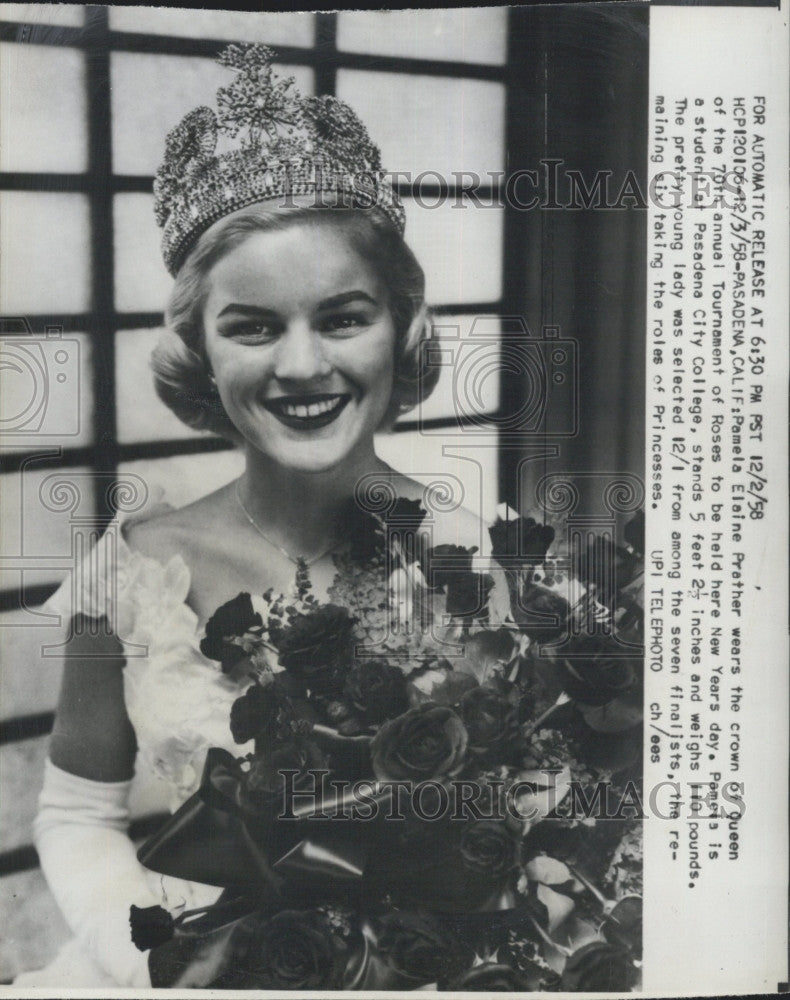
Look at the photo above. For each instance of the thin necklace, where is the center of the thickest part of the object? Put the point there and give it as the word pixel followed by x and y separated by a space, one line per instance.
pixel 274 545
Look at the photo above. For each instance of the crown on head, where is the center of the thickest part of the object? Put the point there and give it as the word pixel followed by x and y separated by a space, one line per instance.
pixel 266 141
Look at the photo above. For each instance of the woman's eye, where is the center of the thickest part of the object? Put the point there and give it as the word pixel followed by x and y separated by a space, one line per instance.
pixel 254 331
pixel 344 321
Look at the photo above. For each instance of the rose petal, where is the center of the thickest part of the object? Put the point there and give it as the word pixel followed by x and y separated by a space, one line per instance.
pixel 558 905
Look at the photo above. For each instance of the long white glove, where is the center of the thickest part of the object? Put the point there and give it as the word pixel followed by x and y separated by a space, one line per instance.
pixel 92 869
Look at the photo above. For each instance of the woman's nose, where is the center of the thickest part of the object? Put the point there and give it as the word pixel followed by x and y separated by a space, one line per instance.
pixel 300 355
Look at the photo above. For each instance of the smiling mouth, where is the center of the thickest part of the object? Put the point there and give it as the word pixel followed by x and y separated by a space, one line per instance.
pixel 308 412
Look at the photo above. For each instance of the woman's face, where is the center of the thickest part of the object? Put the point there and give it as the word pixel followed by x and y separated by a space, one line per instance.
pixel 301 342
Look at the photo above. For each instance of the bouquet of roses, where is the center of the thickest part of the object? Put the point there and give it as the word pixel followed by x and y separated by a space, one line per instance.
pixel 400 816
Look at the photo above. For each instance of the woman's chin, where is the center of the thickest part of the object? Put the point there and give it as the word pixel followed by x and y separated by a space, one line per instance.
pixel 314 467
pixel 308 457
pixel 311 451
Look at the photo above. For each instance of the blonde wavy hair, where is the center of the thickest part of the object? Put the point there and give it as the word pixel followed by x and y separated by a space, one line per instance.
pixel 180 365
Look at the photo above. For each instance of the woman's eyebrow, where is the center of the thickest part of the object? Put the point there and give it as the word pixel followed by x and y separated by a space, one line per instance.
pixel 246 310
pixel 344 298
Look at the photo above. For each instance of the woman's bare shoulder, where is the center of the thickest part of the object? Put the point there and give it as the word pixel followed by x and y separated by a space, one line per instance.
pixel 448 520
pixel 177 531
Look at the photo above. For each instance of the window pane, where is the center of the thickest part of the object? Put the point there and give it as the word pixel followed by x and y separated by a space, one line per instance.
pixel 141 280
pixel 476 35
pixel 423 459
pixel 42 114
pixel 66 14
pixel 44 244
pixel 274 29
pixel 151 94
pixel 46 391
pixel 141 414
pixel 29 683
pixel 188 477
pixel 460 249
pixel 33 927
pixel 38 506
pixel 21 776
pixel 430 123
pixel 468 382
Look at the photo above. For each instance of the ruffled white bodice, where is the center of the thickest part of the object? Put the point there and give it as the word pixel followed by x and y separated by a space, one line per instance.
pixel 178 701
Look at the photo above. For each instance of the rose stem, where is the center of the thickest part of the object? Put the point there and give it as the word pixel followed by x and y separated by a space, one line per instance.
pixel 605 903
pixel 528 730
pixel 550 940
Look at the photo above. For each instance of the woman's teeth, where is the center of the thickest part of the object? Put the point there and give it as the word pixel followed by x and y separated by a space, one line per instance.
pixel 308 411
pixel 311 410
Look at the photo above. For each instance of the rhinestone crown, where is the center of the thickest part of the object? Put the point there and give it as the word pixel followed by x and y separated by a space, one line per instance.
pixel 266 141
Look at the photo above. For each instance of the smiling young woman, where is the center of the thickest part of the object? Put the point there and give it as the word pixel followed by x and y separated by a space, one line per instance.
pixel 296 329
pixel 299 333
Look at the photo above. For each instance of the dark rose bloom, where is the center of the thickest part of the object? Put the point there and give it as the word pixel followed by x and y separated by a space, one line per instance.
pixel 449 568
pixel 608 567
pixel 151 926
pixel 540 612
pixel 634 532
pixel 623 926
pixel 491 644
pixel 336 711
pixel 377 690
pixel 487 847
pixel 230 620
pixel 419 947
pixel 491 977
pixel 598 671
pixel 467 596
pixel 363 531
pixel 446 865
pixel 253 716
pixel 367 534
pixel 522 539
pixel 490 719
pixel 316 647
pixel 444 562
pixel 265 785
pixel 295 951
pixel 405 513
pixel 599 967
pixel 428 741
